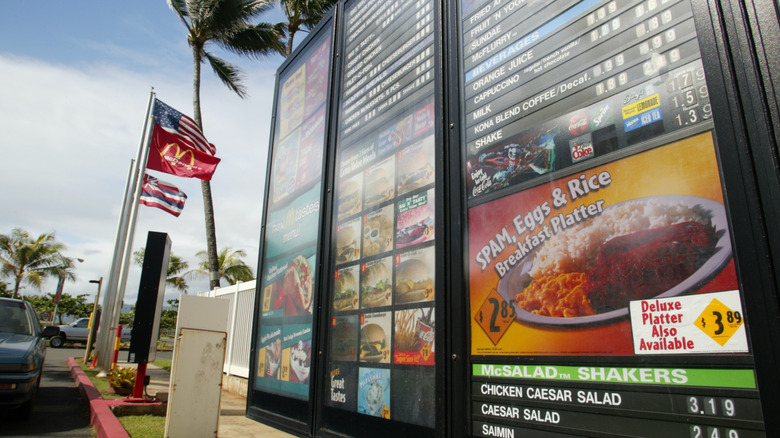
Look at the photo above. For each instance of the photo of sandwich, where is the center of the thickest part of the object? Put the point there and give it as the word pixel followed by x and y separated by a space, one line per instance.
pixel 414 277
pixel 344 338
pixel 375 337
pixel 376 283
pixel 348 242
pixel 291 292
pixel 415 165
pixel 378 231
pixel 349 197
pixel 346 289
pixel 298 286
pixel 380 181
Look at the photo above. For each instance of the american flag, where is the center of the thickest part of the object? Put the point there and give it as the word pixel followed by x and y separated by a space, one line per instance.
pixel 162 195
pixel 182 126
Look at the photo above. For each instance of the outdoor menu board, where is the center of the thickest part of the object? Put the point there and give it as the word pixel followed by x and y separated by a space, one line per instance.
pixel 382 325
pixel 599 244
pixel 288 290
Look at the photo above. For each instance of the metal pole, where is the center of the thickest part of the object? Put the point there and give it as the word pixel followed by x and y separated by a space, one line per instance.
pixel 107 320
pixel 57 297
pixel 105 324
pixel 92 321
pixel 131 229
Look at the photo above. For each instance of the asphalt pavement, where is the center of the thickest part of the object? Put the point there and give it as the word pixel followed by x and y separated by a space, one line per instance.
pixel 59 409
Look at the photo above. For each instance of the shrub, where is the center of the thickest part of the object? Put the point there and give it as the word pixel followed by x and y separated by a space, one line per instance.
pixel 122 379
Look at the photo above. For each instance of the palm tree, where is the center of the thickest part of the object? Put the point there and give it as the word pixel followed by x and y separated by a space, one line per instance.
pixel 177 269
pixel 231 266
pixel 303 14
pixel 31 260
pixel 225 23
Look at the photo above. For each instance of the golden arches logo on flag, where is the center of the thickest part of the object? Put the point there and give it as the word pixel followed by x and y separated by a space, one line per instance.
pixel 178 155
pixel 169 155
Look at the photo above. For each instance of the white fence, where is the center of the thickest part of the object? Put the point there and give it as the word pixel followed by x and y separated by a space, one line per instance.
pixel 239 330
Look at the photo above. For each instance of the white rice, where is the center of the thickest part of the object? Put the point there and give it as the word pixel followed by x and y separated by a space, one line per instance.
pixel 576 249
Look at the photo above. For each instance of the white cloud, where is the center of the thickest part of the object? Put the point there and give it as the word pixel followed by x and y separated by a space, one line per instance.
pixel 68 135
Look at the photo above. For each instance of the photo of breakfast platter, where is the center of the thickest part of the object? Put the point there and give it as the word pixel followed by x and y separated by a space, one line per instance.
pixel 645 248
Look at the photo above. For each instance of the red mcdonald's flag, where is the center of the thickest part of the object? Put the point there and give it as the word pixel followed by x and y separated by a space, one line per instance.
pixel 167 154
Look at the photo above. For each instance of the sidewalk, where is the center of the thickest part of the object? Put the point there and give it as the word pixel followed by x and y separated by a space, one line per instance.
pixel 232 420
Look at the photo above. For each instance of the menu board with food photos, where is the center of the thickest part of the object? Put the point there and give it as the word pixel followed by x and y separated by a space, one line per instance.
pixel 288 288
pixel 382 329
pixel 597 225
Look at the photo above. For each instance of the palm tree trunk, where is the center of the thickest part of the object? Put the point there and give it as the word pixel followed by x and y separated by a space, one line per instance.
pixel 17 284
pixel 208 205
pixel 290 36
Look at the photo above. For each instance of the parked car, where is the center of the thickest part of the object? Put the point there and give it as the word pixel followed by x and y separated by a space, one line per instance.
pixel 22 350
pixel 78 331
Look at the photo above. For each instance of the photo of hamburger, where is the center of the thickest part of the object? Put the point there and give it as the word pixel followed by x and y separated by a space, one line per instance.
pixel 379 184
pixel 376 284
pixel 344 339
pixel 413 281
pixel 347 243
pixel 415 168
pixel 346 287
pixel 349 201
pixel 374 346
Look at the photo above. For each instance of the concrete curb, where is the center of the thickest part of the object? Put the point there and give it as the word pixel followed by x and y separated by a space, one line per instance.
pixel 101 411
pixel 100 416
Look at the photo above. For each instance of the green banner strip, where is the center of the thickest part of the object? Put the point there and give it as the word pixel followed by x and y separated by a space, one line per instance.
pixel 714 378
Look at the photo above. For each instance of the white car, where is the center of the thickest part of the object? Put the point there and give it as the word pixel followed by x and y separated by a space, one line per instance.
pixel 78 331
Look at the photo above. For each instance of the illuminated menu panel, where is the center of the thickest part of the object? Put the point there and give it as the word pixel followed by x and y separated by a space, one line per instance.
pixel 382 327
pixel 597 225
pixel 545 89
pixel 288 286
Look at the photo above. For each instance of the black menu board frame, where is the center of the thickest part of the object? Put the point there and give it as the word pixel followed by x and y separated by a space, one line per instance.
pixel 496 411
pixel 284 338
pixel 387 129
pixel 481 391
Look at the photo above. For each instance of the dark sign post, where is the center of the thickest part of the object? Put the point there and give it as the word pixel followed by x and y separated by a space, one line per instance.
pixel 148 307
pixel 535 218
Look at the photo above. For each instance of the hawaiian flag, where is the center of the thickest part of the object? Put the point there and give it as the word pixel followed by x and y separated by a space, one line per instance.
pixel 163 195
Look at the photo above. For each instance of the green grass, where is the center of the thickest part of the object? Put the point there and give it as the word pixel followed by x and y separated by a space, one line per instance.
pixel 164 364
pixel 143 426
pixel 137 426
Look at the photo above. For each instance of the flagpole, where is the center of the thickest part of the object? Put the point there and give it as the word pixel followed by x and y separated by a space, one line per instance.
pixel 104 341
pixel 121 232
pixel 141 170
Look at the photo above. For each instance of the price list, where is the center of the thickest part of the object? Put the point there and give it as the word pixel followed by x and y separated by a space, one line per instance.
pixel 649 402
pixel 549 84
pixel 382 331
pixel 388 61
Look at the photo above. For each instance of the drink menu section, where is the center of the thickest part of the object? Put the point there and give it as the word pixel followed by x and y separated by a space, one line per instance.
pixel 288 288
pixel 547 85
pixel 382 324
pixel 626 401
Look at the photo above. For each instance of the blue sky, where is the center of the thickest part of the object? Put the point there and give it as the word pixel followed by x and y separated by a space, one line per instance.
pixel 76 80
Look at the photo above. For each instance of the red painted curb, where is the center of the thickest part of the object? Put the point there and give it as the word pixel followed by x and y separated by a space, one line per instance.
pixel 102 419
